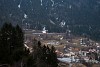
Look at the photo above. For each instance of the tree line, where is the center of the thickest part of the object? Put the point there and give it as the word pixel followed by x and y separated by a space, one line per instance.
pixel 43 56
pixel 13 53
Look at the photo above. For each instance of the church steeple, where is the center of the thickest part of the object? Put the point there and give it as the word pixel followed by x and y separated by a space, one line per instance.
pixel 44 30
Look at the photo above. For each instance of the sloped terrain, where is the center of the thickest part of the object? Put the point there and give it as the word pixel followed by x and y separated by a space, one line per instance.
pixel 81 16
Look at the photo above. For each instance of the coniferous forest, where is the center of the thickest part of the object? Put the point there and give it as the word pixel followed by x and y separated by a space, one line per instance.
pixel 82 16
pixel 13 53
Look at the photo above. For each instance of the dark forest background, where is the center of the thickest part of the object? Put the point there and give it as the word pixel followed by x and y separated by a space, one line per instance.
pixel 82 16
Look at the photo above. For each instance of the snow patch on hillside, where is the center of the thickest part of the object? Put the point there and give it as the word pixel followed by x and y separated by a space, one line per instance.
pixel 52 2
pixel 62 24
pixel 41 2
pixel 52 22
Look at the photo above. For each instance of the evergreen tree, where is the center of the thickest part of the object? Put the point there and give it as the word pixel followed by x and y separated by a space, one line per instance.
pixel 44 53
pixel 6 44
pixel 11 44
pixel 19 37
pixel 44 56
pixel 30 61
pixel 54 60
pixel 48 57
